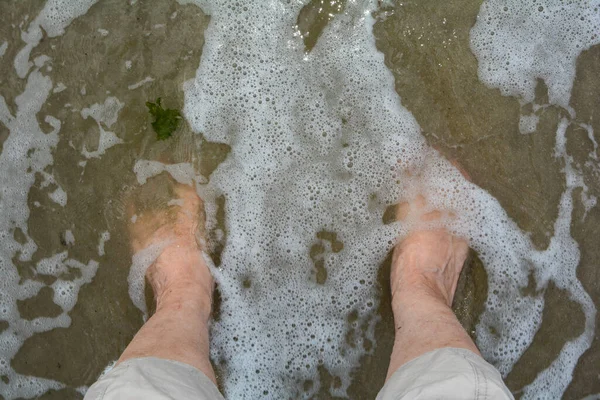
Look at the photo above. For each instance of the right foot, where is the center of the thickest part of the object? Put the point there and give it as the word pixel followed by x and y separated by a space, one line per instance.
pixel 425 270
pixel 427 262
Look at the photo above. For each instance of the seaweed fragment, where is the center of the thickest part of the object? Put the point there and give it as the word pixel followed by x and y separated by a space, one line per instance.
pixel 165 121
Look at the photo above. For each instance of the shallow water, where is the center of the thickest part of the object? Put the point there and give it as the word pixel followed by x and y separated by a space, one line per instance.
pixel 79 183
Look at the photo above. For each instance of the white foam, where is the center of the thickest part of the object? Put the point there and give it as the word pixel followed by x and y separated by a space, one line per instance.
pixel 59 196
pixel 560 265
pixel 147 79
pixel 517 42
pixel 69 237
pixel 182 172
pixel 66 291
pixel 528 123
pixel 59 88
pixel 105 115
pixel 315 138
pixel 590 134
pixel 53 19
pixel 592 397
pixel 104 237
pixel 3 48
pixel 27 152
pixel 41 60
pixel 54 265
pixel 282 114
pixel 142 260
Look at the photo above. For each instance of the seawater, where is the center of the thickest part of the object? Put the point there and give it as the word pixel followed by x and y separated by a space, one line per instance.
pixel 320 142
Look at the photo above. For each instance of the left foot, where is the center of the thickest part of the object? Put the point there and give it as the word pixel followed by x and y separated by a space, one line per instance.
pixel 180 268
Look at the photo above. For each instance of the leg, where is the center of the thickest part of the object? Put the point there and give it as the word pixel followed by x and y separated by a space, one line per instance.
pixel 425 272
pixel 182 286
pixel 444 361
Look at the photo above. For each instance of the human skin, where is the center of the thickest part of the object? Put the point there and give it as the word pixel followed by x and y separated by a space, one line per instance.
pixel 425 269
pixel 182 286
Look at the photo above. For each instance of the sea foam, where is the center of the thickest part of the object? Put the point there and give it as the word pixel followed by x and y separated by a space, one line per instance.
pixel 321 142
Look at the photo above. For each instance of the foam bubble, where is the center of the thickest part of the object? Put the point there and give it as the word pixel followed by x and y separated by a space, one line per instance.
pixel 59 88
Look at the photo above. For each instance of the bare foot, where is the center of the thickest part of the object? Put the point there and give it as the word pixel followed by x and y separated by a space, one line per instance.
pixel 180 268
pixel 182 285
pixel 427 261
pixel 425 270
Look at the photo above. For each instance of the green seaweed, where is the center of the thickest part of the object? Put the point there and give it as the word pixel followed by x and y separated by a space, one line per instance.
pixel 165 121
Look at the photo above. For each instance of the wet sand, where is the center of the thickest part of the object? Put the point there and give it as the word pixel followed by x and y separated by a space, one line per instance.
pixel 426 46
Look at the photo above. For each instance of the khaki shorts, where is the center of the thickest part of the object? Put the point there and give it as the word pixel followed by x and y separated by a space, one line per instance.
pixel 446 374
pixel 441 374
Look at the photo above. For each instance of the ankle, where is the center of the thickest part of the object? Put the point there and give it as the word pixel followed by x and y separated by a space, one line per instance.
pixel 425 290
pixel 181 273
pixel 411 281
pixel 186 296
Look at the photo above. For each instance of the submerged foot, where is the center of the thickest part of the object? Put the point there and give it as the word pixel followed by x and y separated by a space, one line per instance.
pixel 427 262
pixel 425 270
pixel 182 285
pixel 180 268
